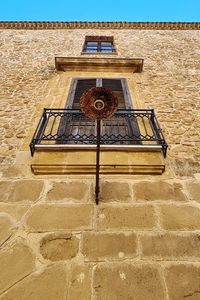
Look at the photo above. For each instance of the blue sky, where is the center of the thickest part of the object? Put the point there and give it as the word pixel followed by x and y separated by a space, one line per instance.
pixel 102 10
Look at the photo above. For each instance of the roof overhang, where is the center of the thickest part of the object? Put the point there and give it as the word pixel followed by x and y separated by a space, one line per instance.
pixel 134 65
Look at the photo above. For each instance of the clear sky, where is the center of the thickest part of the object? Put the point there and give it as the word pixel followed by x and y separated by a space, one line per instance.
pixel 100 10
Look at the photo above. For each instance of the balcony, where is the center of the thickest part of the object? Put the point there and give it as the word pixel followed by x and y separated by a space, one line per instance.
pixel 127 130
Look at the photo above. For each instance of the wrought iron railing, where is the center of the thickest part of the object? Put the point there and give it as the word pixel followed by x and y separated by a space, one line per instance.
pixel 61 127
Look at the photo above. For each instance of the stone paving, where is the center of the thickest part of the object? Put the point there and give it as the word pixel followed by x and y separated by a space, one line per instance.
pixel 143 240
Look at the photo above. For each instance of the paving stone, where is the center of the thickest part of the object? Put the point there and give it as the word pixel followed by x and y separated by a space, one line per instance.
pixel 5 189
pixel 126 217
pixel 180 217
pixel 77 191
pixel 183 281
pixel 115 191
pixel 114 246
pixel 48 285
pixel 160 190
pixel 193 188
pixel 26 190
pixel 169 246
pixel 16 262
pixel 5 228
pixel 59 246
pixel 80 283
pixel 128 281
pixel 48 217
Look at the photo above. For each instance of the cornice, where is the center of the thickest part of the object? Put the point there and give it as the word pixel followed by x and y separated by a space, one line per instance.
pixel 101 25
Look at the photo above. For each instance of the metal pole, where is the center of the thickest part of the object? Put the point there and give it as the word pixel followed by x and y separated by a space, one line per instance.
pixel 97 160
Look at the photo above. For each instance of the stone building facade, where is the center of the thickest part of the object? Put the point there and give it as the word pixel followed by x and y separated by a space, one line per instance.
pixel 143 240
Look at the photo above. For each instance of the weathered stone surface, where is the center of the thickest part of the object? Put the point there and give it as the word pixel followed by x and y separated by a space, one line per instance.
pixel 193 188
pixel 158 191
pixel 180 217
pixel 59 247
pixel 14 171
pixel 26 190
pixel 75 191
pixel 163 86
pixel 115 191
pixel 80 283
pixel 50 284
pixel 169 246
pixel 128 281
pixel 16 211
pixel 138 217
pixel 16 262
pixel 114 246
pixel 183 281
pixel 48 217
pixel 5 189
pixel 5 228
pixel 170 83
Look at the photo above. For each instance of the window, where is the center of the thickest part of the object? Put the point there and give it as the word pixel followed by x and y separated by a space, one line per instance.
pixel 116 130
pixel 99 44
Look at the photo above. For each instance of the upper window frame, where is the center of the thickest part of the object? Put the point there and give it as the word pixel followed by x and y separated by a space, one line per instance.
pixel 99 48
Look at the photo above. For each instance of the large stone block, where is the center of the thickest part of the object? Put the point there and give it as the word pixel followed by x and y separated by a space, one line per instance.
pixel 53 217
pixel 80 283
pixel 103 246
pixel 59 247
pixel 183 281
pixel 16 211
pixel 75 191
pixel 16 262
pixel 158 191
pixel 26 190
pixel 5 228
pixel 193 188
pixel 49 284
pixel 128 281
pixel 170 246
pixel 115 191
pixel 180 217
pixel 126 217
pixel 5 189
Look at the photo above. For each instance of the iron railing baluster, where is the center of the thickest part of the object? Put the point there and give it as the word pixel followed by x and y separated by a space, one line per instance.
pixel 74 129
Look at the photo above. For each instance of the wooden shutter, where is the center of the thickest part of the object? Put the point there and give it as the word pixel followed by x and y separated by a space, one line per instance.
pixel 81 87
pixel 114 126
pixel 120 88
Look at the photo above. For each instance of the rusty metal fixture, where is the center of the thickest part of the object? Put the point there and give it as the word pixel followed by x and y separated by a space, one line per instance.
pixel 98 103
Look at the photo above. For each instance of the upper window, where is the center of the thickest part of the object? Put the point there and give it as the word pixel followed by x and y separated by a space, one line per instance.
pixel 99 44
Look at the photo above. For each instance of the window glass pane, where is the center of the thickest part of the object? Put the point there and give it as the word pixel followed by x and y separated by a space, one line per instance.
pixel 106 44
pixel 91 49
pixel 106 49
pixel 93 44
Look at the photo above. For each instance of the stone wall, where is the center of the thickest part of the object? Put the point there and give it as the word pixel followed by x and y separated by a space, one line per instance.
pixel 142 241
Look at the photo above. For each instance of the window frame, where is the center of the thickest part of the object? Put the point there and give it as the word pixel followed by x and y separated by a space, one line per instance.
pixel 125 89
pixel 99 40
pixel 128 105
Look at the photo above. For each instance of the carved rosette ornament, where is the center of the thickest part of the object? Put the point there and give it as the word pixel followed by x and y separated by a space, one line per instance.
pixel 98 103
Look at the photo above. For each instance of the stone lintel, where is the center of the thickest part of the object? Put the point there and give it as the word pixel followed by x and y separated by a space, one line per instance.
pixel 134 65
